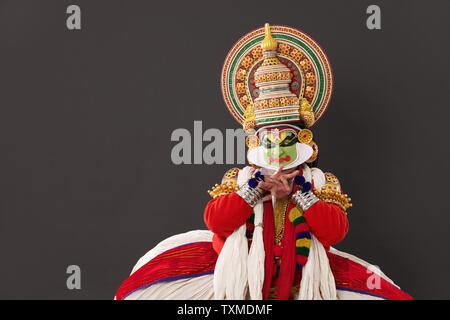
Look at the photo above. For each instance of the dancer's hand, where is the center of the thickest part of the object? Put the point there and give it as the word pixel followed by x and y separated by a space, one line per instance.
pixel 279 184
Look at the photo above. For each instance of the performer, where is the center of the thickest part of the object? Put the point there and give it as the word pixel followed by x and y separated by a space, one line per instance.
pixel 271 224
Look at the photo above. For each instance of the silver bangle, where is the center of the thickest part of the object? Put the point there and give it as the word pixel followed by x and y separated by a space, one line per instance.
pixel 304 200
pixel 250 195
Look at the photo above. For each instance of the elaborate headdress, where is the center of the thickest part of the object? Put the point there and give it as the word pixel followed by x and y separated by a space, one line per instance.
pixel 276 75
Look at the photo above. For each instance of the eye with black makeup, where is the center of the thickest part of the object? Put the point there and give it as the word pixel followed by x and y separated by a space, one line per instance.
pixel 290 140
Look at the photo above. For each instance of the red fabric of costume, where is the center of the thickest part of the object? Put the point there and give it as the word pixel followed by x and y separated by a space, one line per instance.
pixel 225 214
pixel 327 222
pixel 199 258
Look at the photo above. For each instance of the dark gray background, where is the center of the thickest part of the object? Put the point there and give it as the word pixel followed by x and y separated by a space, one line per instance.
pixel 86 118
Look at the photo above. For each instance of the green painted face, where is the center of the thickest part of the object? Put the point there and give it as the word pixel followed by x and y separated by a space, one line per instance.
pixel 279 147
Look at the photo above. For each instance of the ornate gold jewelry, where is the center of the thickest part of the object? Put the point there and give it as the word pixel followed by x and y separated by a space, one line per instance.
pixel 222 189
pixel 269 42
pixel 279 216
pixel 249 122
pixel 305 106
pixel 306 113
pixel 336 197
pixel 332 182
pixel 305 136
pixel 228 184
pixel 252 142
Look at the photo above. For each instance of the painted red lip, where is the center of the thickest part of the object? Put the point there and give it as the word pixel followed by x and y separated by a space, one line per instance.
pixel 279 160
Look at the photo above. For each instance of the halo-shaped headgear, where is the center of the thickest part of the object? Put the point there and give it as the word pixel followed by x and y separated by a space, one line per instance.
pixel 276 75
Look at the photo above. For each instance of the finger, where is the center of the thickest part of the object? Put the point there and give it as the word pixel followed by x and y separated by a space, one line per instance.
pixel 278 183
pixel 270 180
pixel 291 175
pixel 265 186
pixel 267 197
pixel 278 173
pixel 284 182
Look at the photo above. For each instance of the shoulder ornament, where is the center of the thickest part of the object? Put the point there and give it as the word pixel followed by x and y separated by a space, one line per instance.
pixel 228 184
pixel 331 192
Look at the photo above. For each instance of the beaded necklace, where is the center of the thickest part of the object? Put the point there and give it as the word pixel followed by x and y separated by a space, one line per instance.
pixel 279 215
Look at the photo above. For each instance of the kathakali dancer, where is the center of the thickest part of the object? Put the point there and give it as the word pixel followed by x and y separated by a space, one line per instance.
pixel 271 224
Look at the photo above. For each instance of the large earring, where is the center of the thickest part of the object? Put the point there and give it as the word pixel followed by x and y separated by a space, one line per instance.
pixel 305 136
pixel 315 148
pixel 252 142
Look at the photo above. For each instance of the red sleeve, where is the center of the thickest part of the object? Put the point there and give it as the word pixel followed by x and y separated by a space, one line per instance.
pixel 327 222
pixel 225 214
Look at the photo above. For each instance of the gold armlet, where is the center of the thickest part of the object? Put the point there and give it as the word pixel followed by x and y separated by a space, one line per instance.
pixel 222 189
pixel 330 196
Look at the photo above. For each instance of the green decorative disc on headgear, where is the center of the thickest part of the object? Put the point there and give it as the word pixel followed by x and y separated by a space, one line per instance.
pixel 276 75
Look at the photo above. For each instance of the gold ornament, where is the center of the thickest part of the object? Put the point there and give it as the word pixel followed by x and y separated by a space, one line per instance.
pixel 305 106
pixel 249 122
pixel 269 42
pixel 231 174
pixel 315 148
pixel 228 184
pixel 222 189
pixel 279 216
pixel 252 142
pixel 305 136
pixel 307 117
pixel 306 113
pixel 336 197
pixel 331 182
